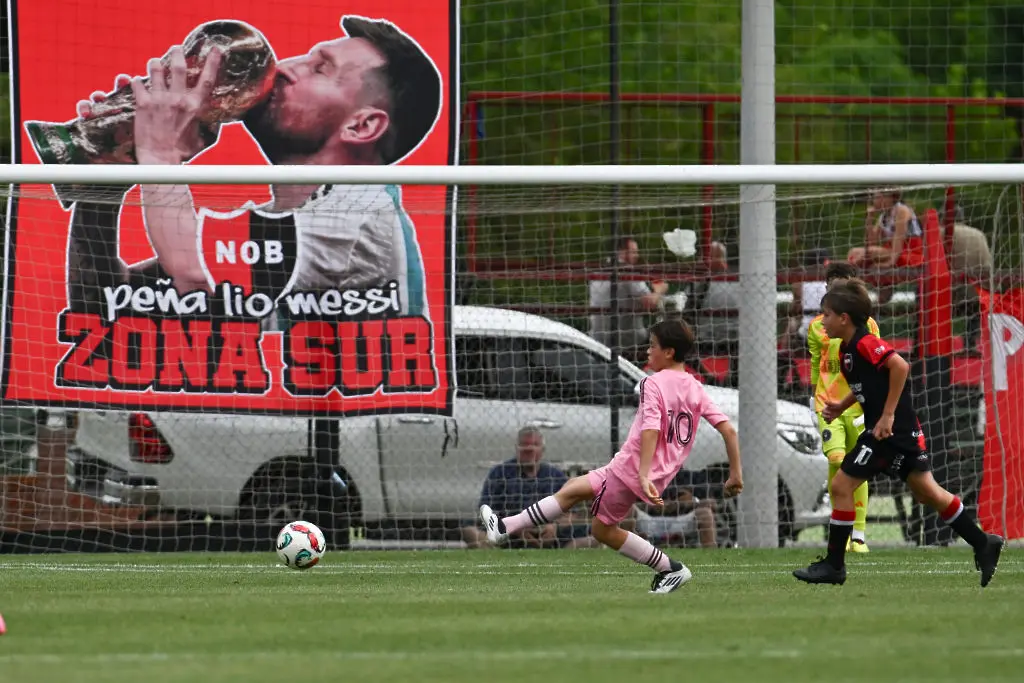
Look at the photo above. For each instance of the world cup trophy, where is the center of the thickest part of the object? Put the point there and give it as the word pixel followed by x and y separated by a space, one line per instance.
pixel 245 79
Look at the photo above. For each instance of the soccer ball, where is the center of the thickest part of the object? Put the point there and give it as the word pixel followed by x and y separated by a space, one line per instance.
pixel 300 545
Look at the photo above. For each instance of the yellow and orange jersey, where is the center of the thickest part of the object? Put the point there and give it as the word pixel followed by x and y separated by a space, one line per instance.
pixel 826 376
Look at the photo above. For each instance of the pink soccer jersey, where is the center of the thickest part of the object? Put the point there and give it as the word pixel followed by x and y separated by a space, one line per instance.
pixel 672 402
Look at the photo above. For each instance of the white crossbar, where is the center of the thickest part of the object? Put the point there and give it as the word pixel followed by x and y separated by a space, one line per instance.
pixel 801 174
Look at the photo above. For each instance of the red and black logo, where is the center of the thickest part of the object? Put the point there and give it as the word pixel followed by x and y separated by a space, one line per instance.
pixel 251 251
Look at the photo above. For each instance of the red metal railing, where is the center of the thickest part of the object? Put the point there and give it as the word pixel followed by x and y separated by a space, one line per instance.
pixel 710 117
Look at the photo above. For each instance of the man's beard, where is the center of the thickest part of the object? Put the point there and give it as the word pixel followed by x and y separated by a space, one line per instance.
pixel 279 144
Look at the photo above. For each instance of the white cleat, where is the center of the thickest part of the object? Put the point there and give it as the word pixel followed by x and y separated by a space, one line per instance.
pixel 491 523
pixel 666 582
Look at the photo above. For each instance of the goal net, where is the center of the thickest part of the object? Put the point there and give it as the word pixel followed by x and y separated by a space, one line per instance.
pixel 940 304
pixel 145 415
pixel 386 334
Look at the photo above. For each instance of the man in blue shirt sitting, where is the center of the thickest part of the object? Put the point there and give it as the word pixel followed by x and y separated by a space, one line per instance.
pixel 516 483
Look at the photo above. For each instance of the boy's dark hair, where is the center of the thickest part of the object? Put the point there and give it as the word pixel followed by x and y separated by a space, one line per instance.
pixel 850 297
pixel 675 335
pixel 840 270
pixel 410 79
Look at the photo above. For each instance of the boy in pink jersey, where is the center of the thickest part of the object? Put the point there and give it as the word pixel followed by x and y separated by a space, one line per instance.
pixel 672 402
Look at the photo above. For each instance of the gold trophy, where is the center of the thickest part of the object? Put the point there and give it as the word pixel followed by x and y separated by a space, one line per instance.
pixel 107 137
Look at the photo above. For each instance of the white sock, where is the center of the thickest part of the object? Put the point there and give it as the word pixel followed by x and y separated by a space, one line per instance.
pixel 542 512
pixel 639 550
pixel 858 536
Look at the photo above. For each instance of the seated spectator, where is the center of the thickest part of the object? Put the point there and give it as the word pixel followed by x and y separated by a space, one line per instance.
pixel 894 235
pixel 713 324
pixel 971 254
pixel 520 481
pixel 972 258
pixel 682 515
pixel 719 262
pixel 635 302
pixel 806 302
pixel 719 297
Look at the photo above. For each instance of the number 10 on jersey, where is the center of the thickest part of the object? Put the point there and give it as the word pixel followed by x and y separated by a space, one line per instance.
pixel 680 428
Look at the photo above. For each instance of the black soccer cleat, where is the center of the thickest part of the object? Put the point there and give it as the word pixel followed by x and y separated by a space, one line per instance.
pixel 986 560
pixel 821 571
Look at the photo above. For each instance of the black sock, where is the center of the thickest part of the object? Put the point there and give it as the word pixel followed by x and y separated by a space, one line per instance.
pixel 962 522
pixel 839 530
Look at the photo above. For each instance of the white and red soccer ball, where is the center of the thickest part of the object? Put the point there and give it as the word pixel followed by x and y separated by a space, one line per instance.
pixel 300 545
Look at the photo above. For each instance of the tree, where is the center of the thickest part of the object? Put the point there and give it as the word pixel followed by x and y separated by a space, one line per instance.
pixel 828 47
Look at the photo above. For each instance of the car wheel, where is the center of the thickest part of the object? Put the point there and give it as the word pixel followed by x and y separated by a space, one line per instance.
pixel 283 491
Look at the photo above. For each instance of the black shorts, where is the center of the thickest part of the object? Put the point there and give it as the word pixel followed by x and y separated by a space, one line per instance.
pixel 897 456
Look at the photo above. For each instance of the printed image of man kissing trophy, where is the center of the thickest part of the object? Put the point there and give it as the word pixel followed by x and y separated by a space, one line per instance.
pixel 240 76
pixel 331 238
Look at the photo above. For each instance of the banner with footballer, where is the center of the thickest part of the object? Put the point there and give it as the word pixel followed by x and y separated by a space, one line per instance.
pixel 290 299
pixel 1001 495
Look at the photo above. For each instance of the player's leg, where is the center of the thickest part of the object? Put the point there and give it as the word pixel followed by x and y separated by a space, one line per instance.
pixel 853 427
pixel 575 536
pixel 835 460
pixel 838 437
pixel 669 574
pixel 544 511
pixel 613 502
pixel 858 466
pixel 858 534
pixel 858 537
pixel 833 445
pixel 843 516
pixel 704 521
pixel 987 547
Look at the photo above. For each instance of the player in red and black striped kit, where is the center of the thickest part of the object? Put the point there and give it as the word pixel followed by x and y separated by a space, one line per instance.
pixel 892 442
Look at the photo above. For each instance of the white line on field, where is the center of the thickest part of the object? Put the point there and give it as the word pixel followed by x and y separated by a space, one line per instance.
pixel 603 654
pixel 432 567
pixel 400 569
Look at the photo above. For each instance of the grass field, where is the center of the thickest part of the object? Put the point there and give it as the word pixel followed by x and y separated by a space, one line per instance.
pixel 903 615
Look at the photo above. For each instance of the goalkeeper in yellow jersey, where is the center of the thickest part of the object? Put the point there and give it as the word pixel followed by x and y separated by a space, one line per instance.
pixel 839 436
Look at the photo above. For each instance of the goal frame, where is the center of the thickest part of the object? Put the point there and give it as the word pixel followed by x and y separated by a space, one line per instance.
pixel 757 184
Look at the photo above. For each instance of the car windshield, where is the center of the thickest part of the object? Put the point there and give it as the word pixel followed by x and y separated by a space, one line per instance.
pixel 581 376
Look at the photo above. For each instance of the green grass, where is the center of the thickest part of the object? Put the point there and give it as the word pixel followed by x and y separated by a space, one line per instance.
pixel 904 615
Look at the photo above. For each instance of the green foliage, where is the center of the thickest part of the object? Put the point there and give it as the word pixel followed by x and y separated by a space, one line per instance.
pixel 916 48
pixel 823 48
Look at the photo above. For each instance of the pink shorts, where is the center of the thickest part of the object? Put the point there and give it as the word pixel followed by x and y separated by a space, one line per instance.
pixel 612 498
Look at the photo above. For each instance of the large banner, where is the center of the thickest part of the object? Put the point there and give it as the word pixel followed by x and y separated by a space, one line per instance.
pixel 1001 500
pixel 292 299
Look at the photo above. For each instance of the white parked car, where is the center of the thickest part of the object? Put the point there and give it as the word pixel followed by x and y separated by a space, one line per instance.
pixel 422 470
